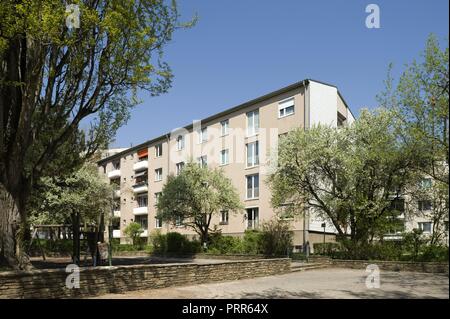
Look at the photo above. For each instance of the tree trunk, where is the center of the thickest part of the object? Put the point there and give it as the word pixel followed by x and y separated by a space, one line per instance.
pixel 76 238
pixel 12 229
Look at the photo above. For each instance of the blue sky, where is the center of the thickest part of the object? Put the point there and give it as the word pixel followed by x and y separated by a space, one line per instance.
pixel 241 49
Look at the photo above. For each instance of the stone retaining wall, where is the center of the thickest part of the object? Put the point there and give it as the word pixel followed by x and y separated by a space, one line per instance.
pixel 100 280
pixel 426 267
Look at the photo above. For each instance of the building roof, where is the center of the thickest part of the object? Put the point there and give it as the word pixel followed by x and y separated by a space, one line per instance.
pixel 223 113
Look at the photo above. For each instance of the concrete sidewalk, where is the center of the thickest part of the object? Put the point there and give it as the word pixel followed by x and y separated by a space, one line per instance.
pixel 320 283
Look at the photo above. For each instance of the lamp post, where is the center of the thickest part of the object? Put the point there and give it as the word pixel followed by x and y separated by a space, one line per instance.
pixel 324 225
pixel 110 230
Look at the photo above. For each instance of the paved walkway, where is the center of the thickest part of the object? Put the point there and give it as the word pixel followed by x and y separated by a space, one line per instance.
pixel 320 283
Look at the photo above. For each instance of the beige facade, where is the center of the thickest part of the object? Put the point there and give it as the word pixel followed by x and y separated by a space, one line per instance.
pixel 229 140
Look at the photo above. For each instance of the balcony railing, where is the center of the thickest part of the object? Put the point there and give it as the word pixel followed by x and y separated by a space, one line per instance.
pixel 140 187
pixel 140 165
pixel 140 210
pixel 116 233
pixel 116 213
pixel 114 174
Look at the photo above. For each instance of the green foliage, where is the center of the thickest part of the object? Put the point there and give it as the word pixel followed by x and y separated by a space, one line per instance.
pixel 84 192
pixel 173 243
pixel 252 242
pixel 194 196
pixel 225 245
pixel 345 175
pixel 276 238
pixel 326 249
pixel 134 231
pixel 434 253
pixel 420 102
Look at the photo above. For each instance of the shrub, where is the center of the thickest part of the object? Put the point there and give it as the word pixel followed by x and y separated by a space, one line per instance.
pixel 251 242
pixel 275 238
pixel 327 249
pixel 134 231
pixel 225 244
pixel 173 243
pixel 434 253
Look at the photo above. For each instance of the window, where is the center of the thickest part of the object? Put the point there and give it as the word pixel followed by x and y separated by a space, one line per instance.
pixel 252 186
pixel 224 127
pixel 116 165
pixel 158 150
pixel 142 154
pixel 425 227
pixel 158 174
pixel 252 123
pixel 179 167
pixel 252 218
pixel 252 154
pixel 203 135
pixel 224 217
pixel 180 142
pixel 158 222
pixel 115 223
pixel 425 183
pixel 141 177
pixel 286 108
pixel 203 161
pixel 142 201
pixel 398 205
pixel 142 220
pixel 424 205
pixel 178 221
pixel 157 195
pixel 341 120
pixel 224 157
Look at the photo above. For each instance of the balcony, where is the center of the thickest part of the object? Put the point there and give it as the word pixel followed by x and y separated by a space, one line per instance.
pixel 140 187
pixel 140 210
pixel 116 213
pixel 141 165
pixel 116 233
pixel 114 174
pixel 144 233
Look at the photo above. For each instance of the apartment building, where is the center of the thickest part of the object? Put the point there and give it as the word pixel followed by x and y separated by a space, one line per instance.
pixel 241 141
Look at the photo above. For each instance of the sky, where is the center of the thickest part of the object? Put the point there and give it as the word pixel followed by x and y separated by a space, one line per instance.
pixel 242 49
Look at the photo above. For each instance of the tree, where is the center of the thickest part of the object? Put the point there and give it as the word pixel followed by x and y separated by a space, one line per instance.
pixel 55 76
pixel 347 175
pixel 194 196
pixel 81 197
pixel 134 231
pixel 420 103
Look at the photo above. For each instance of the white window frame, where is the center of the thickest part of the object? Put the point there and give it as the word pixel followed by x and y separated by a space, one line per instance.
pixel 224 155
pixel 253 186
pixel 255 221
pixel 139 200
pixel 420 225
pixel 179 167
pixel 158 150
pixel 158 174
pixel 284 105
pixel 158 222
pixel 254 155
pixel 180 142
pixel 224 127
pixel 226 220
pixel 179 222
pixel 202 161
pixel 255 124
pixel 202 135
